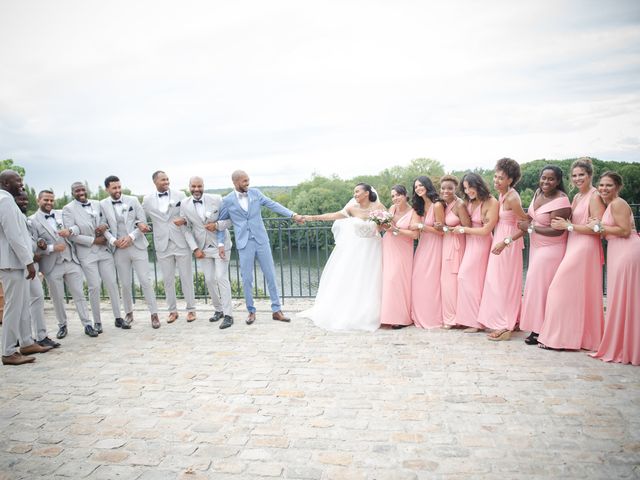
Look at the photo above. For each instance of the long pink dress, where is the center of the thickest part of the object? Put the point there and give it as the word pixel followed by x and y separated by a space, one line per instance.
pixel 502 294
pixel 426 305
pixel 397 267
pixel 573 316
pixel 545 255
pixel 621 339
pixel 452 253
pixel 472 272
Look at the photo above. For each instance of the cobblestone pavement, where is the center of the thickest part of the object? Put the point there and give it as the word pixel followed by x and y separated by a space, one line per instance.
pixel 190 401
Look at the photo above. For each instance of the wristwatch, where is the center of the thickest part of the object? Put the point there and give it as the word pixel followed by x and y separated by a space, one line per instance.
pixel 570 228
pixel 461 230
pixel 395 231
pixel 507 241
pixel 531 228
pixel 445 229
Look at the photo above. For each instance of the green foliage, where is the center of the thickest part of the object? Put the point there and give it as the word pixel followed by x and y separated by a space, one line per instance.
pixel 9 165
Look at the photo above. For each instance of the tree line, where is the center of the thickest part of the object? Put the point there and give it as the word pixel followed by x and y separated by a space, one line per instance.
pixel 321 194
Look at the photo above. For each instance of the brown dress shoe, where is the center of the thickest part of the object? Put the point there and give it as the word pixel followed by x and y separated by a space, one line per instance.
pixel 280 316
pixel 17 359
pixel 34 348
pixel 251 318
pixel 173 316
pixel 191 316
pixel 155 323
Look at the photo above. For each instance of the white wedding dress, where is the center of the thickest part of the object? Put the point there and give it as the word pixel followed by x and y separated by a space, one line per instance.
pixel 350 287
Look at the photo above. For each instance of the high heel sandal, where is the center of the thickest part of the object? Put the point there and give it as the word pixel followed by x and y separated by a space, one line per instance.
pixel 532 339
pixel 499 336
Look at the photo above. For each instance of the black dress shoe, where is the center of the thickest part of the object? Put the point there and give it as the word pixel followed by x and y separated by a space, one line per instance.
pixel 98 327
pixel 47 342
pixel 62 332
pixel 216 316
pixel 88 330
pixel 122 323
pixel 227 322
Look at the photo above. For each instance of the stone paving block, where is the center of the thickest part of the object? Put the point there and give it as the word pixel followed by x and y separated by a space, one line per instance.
pixel 293 401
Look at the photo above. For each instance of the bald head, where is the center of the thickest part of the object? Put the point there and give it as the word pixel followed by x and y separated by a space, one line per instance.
pixel 11 181
pixel 196 187
pixel 240 181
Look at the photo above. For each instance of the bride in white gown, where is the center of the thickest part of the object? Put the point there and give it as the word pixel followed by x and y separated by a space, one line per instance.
pixel 351 283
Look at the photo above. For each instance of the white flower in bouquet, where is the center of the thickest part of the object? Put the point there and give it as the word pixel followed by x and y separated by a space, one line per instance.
pixel 380 217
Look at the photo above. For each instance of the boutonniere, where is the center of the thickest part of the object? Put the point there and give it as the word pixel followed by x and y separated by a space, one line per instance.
pixel 59 226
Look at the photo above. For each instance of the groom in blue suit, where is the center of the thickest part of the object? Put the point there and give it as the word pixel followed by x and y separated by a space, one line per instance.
pixel 242 206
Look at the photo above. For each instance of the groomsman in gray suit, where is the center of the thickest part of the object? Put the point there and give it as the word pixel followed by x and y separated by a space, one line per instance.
pixel 36 294
pixel 200 211
pixel 83 218
pixel 163 207
pixel 59 263
pixel 16 270
pixel 126 221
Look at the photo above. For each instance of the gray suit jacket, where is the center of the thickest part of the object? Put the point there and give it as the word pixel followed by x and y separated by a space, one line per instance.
pixel 163 226
pixel 133 215
pixel 196 235
pixel 42 229
pixel 15 242
pixel 82 222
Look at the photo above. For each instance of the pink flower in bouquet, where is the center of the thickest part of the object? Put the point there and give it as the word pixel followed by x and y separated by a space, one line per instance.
pixel 380 217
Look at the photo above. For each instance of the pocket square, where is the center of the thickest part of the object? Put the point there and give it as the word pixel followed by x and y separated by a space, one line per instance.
pixel 178 204
pixel 131 209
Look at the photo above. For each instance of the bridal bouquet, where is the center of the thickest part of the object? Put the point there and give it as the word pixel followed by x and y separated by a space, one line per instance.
pixel 381 217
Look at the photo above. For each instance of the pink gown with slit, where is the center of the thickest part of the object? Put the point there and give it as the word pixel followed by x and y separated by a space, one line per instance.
pixel 397 267
pixel 426 305
pixel 545 255
pixel 621 338
pixel 502 294
pixel 452 253
pixel 573 315
pixel 472 272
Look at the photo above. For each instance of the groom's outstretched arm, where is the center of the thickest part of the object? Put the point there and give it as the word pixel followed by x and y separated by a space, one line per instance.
pixel 274 206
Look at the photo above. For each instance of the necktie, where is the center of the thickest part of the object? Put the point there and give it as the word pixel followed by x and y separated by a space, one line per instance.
pixel 164 194
pixel 47 217
pixel 117 202
pixel 198 201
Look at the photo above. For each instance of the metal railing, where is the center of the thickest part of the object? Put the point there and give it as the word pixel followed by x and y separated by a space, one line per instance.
pixel 299 253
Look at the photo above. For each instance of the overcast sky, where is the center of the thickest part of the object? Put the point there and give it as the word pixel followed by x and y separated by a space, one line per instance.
pixel 283 89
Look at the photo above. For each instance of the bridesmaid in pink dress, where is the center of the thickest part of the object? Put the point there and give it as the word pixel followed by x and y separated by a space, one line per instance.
pixel 547 247
pixel 426 305
pixel 573 316
pixel 621 339
pixel 483 210
pixel 452 247
pixel 502 294
pixel 397 262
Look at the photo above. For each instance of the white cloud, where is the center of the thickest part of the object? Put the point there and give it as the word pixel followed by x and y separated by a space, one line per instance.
pixel 286 88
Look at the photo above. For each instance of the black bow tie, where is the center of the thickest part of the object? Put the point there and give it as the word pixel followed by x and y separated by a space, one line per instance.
pixel 198 201
pixel 163 194
pixel 116 202
pixel 47 217
pixel 86 204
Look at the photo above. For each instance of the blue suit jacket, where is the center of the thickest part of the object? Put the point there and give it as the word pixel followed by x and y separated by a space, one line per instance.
pixel 249 224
